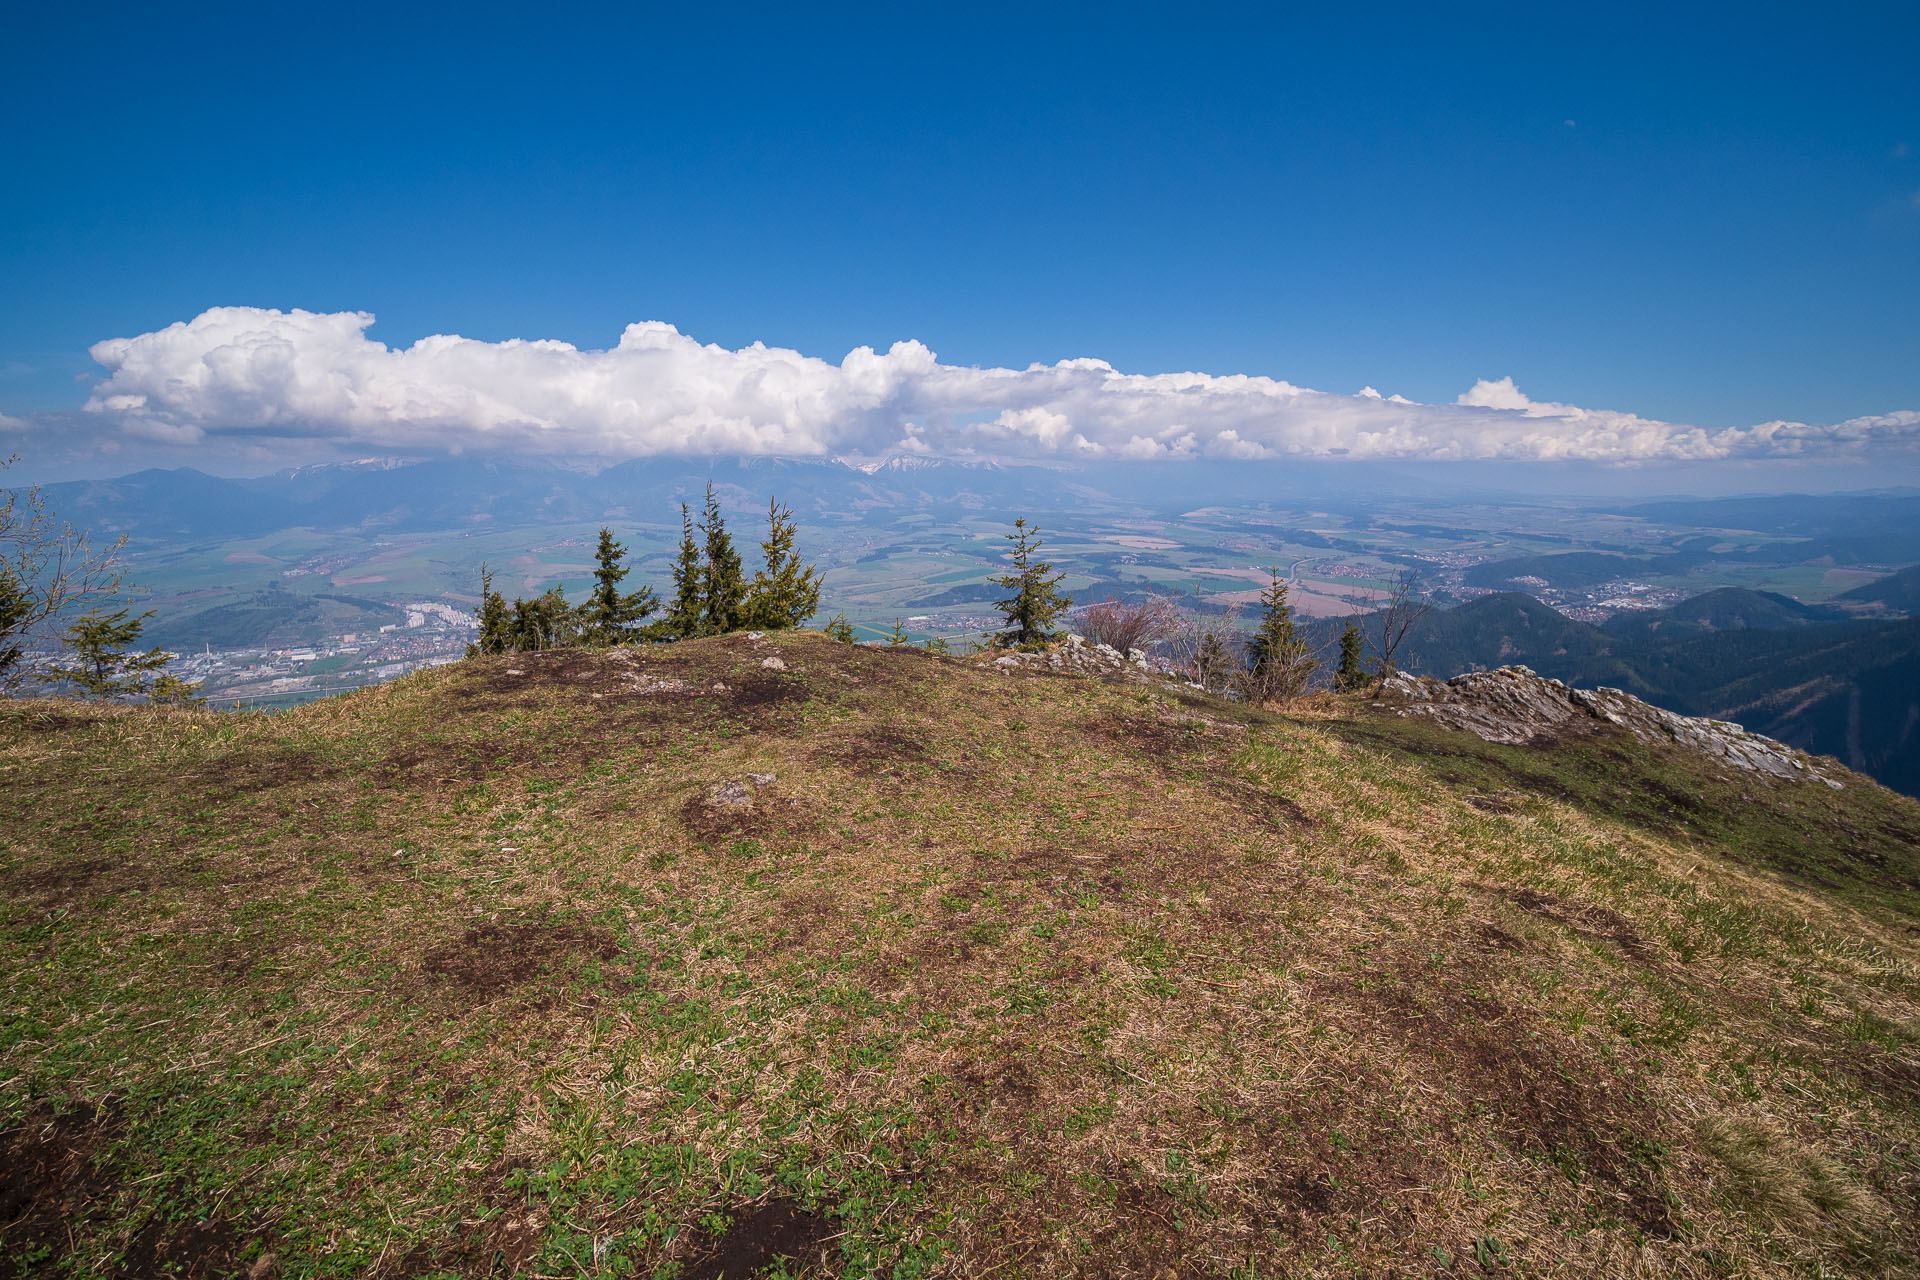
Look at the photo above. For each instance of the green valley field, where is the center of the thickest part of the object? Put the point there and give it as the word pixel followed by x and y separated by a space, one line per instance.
pixel 868 962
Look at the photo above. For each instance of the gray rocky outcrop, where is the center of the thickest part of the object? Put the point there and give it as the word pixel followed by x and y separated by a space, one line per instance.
pixel 1075 655
pixel 1513 705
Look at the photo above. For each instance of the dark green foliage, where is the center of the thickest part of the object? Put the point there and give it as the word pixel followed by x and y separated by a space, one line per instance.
pixel 1350 676
pixel 723 584
pixel 526 626
pixel 103 665
pixel 966 593
pixel 545 622
pixel 898 636
pixel 612 616
pixel 838 628
pixel 171 691
pixel 683 618
pixel 493 615
pixel 1280 662
pixel 271 618
pixel 787 592
pixel 1035 602
pixel 710 593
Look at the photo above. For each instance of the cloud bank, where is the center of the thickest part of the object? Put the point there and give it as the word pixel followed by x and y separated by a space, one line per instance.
pixel 243 371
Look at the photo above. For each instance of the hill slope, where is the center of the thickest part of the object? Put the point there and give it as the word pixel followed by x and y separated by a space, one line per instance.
pixel 1723 609
pixel 1845 689
pixel 1895 593
pixel 889 964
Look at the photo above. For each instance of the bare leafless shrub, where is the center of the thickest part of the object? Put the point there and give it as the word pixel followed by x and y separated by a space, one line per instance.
pixel 1207 649
pixel 1405 605
pixel 1128 626
pixel 48 568
pixel 1267 683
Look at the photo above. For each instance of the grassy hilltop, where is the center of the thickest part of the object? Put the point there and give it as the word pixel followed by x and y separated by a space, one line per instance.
pixel 670 962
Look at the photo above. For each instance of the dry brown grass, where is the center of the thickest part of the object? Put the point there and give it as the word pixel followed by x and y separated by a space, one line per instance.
pixel 1000 974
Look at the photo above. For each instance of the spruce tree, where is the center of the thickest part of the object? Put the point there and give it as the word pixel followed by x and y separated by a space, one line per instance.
pixel 172 691
pixel 1349 677
pixel 102 665
pixel 493 616
pixel 1035 602
pixel 683 618
pixel 1280 662
pixel 610 615
pixel 898 636
pixel 838 628
pixel 723 586
pixel 545 622
pixel 787 592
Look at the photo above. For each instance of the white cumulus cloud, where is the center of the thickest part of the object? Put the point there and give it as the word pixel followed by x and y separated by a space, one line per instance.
pixel 254 372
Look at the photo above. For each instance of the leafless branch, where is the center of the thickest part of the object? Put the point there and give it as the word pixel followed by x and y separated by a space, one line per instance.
pixel 1406 605
pixel 1130 626
pixel 48 567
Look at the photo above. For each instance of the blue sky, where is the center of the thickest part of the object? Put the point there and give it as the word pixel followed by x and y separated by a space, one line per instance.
pixel 1708 216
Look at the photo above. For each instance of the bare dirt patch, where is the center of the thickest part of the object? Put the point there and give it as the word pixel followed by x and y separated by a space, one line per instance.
pixel 1590 920
pixel 59 883
pixel 748 694
pixel 775 1231
pixel 1164 741
pixel 55 1175
pixel 884 753
pixel 1338 1155
pixel 1262 802
pixel 188 1251
pixel 491 959
pixel 740 810
pixel 51 1175
pixel 1541 1091
pixel 250 772
pixel 1494 938
pixel 685 685
pixel 1147 1237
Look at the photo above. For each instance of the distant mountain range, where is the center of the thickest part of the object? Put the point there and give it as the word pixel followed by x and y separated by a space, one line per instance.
pixel 1809 676
pixel 391 496
pixel 465 492
pixel 385 497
